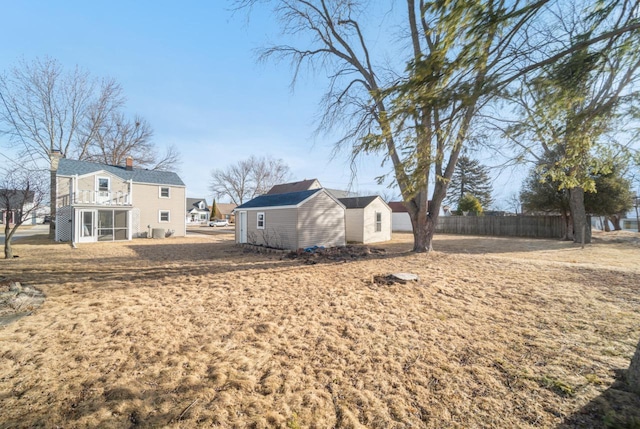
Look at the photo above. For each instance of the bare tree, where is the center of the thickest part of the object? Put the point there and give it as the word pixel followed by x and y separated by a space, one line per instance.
pixel 118 138
pixel 514 202
pixel 248 178
pixel 45 109
pixel 460 56
pixel 21 196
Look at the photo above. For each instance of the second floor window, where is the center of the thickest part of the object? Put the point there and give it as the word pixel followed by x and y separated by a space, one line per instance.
pixel 164 192
pixel 103 184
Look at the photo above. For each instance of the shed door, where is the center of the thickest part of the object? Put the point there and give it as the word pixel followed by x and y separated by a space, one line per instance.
pixel 243 227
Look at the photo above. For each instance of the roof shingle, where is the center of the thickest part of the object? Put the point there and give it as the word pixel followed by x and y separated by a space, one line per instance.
pixel 71 167
pixel 277 200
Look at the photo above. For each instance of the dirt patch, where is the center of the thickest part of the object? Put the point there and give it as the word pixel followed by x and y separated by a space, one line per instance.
pixel 189 332
pixel 313 255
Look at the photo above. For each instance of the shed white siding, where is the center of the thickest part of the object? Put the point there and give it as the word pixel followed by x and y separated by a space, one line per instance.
pixel 279 228
pixel 321 222
pixel 355 225
pixel 317 221
pixel 370 235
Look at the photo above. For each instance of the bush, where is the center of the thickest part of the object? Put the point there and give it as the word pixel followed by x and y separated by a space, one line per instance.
pixel 469 203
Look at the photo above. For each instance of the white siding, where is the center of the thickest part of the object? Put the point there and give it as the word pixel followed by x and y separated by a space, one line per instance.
pixel 370 234
pixel 146 197
pixel 355 226
pixel 279 229
pixel 321 222
pixel 401 222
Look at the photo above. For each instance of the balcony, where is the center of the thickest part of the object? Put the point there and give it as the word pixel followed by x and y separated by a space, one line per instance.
pixel 102 198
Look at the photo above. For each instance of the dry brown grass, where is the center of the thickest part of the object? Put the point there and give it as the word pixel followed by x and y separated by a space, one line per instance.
pixel 195 331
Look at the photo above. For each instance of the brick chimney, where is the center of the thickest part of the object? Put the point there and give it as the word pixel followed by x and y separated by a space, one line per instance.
pixel 54 157
pixel 129 164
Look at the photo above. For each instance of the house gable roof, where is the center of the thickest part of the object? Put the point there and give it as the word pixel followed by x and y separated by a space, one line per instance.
pixel 193 204
pixel 279 200
pixel 357 202
pixel 398 207
pixel 303 185
pixel 225 208
pixel 339 193
pixel 72 167
pixel 16 198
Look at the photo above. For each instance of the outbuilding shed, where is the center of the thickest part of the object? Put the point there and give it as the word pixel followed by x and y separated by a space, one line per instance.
pixel 292 220
pixel 401 222
pixel 368 219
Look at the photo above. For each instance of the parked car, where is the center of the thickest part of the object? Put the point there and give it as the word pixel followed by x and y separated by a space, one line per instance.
pixel 219 222
pixel 47 219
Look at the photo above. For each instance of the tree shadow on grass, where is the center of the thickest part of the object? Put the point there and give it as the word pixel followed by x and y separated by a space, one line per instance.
pixel 616 408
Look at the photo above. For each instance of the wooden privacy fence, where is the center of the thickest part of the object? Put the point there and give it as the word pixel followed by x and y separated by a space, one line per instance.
pixel 506 226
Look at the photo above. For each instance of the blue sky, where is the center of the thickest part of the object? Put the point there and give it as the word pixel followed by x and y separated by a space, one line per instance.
pixel 189 68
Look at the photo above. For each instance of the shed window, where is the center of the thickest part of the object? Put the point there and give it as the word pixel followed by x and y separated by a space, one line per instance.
pixel 378 221
pixel 164 215
pixel 164 192
pixel 261 220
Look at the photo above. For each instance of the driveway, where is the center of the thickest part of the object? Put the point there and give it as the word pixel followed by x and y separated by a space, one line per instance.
pixel 26 231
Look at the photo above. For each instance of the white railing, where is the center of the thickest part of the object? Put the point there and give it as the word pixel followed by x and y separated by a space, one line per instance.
pixel 102 198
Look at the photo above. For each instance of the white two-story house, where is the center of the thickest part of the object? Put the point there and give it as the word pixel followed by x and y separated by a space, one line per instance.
pixel 99 202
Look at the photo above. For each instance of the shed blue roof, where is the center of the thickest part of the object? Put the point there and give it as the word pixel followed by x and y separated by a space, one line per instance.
pixel 71 167
pixel 277 200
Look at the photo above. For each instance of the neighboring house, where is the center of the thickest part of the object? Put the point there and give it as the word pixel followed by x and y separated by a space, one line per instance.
pixel 303 185
pixel 307 185
pixel 400 220
pixel 17 199
pixel 224 211
pixel 368 219
pixel 292 220
pixel 100 202
pixel 197 211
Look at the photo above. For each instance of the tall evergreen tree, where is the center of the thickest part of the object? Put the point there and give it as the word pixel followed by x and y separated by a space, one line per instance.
pixel 470 177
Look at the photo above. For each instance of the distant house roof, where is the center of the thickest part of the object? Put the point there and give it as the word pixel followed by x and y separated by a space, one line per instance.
pixel 278 200
pixel 338 193
pixel 193 203
pixel 16 198
pixel 225 208
pixel 398 207
pixel 303 185
pixel 71 167
pixel 357 202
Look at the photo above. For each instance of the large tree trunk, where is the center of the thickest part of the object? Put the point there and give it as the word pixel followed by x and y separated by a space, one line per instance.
pixel 633 375
pixel 605 224
pixel 568 233
pixel 581 231
pixel 8 251
pixel 52 196
pixel 615 220
pixel 424 227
